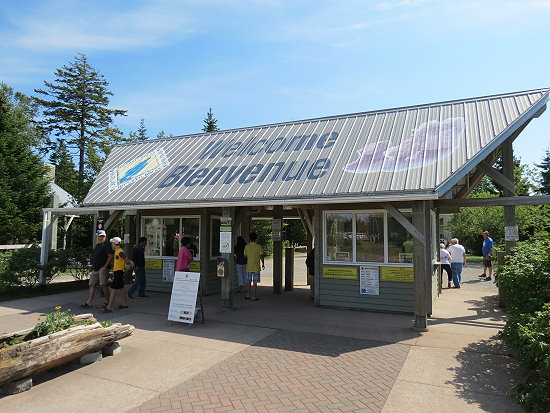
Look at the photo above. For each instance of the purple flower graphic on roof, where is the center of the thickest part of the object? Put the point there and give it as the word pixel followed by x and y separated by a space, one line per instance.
pixel 431 142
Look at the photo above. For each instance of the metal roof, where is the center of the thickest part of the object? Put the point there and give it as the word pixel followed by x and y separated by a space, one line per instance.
pixel 415 152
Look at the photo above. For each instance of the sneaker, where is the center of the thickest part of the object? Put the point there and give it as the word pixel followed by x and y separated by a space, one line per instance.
pixel 488 279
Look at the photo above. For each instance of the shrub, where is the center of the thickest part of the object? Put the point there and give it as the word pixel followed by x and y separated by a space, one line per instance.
pixel 525 277
pixel 22 267
pixel 75 262
pixel 525 282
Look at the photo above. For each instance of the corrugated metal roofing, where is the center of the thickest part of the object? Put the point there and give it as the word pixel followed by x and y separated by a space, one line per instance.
pixel 410 152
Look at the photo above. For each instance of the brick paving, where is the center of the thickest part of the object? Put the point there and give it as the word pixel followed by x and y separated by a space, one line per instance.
pixel 292 372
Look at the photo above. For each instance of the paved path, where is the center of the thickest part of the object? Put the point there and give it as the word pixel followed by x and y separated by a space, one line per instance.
pixel 284 354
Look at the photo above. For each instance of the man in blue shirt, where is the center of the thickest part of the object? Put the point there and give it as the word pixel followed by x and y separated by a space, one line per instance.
pixel 487 251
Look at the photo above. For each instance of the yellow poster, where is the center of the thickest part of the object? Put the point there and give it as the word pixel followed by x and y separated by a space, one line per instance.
pixel 195 266
pixel 342 273
pixel 399 274
pixel 153 264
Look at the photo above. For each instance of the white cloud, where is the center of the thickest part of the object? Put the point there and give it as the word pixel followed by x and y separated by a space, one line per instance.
pixel 86 27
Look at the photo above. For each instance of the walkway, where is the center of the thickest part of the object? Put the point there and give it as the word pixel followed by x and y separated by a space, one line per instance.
pixel 283 354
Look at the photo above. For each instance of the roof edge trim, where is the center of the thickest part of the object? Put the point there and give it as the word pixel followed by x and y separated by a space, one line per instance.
pixel 493 145
pixel 409 196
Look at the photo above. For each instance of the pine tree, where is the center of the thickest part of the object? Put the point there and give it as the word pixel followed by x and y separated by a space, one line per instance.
pixel 23 187
pixel 141 134
pixel 544 166
pixel 77 108
pixel 210 123
pixel 66 175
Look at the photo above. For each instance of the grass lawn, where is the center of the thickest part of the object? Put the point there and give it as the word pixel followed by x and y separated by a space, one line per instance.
pixel 54 288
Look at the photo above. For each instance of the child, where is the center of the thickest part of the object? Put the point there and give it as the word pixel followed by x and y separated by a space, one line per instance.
pixel 118 280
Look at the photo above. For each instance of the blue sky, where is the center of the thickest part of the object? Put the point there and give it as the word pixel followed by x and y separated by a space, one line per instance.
pixel 266 61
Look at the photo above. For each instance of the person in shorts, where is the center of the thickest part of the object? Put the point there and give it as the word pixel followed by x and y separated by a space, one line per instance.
pixel 138 258
pixel 487 251
pixel 101 260
pixel 118 276
pixel 254 254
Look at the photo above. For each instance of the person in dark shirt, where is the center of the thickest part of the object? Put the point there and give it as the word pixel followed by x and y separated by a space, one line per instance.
pixel 241 263
pixel 101 260
pixel 138 257
pixel 310 264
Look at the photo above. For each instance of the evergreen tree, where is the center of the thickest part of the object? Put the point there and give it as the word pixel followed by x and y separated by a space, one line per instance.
pixel 544 166
pixel 76 109
pixel 523 177
pixel 66 175
pixel 141 134
pixel 210 123
pixel 162 135
pixel 23 187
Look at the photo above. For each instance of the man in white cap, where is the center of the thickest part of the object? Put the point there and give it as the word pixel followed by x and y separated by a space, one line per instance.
pixel 101 260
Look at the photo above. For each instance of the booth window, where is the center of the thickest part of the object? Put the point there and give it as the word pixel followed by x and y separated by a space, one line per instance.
pixel 399 240
pixel 164 235
pixel 339 237
pixel 366 237
pixel 369 237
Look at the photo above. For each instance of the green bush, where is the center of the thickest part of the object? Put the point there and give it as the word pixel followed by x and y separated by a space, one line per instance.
pixel 22 267
pixel 525 277
pixel 75 262
pixel 525 282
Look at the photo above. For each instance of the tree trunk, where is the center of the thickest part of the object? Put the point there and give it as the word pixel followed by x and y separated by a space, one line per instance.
pixel 43 353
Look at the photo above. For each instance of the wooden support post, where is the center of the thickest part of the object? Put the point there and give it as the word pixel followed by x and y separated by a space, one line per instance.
pixel 46 242
pixel 227 280
pixel 55 221
pixel 204 246
pixel 508 172
pixel 318 238
pixel 422 265
pixel 509 210
pixel 278 253
pixel 289 269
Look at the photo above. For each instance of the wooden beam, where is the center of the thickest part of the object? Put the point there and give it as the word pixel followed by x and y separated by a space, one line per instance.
pixel 112 219
pixel 497 176
pixel 399 217
pixel 500 201
pixel 306 221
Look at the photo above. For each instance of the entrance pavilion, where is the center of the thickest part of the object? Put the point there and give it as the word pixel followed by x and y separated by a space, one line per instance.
pixel 363 184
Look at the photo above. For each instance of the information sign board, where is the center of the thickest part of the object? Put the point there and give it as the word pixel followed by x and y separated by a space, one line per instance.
pixel 183 300
pixel 399 274
pixel 369 280
pixel 343 273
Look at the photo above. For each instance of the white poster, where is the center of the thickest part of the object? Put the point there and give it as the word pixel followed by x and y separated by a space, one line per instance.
pixel 184 297
pixel 511 234
pixel 225 242
pixel 168 267
pixel 369 280
pixel 276 228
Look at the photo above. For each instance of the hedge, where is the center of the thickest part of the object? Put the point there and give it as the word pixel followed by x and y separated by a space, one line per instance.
pixel 525 281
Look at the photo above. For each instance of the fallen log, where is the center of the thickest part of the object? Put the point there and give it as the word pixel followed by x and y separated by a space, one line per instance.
pixel 43 353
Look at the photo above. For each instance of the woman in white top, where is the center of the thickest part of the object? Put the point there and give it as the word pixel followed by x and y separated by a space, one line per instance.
pixel 444 257
pixel 458 259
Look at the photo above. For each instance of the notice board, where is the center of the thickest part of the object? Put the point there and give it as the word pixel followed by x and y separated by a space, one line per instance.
pixel 184 297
